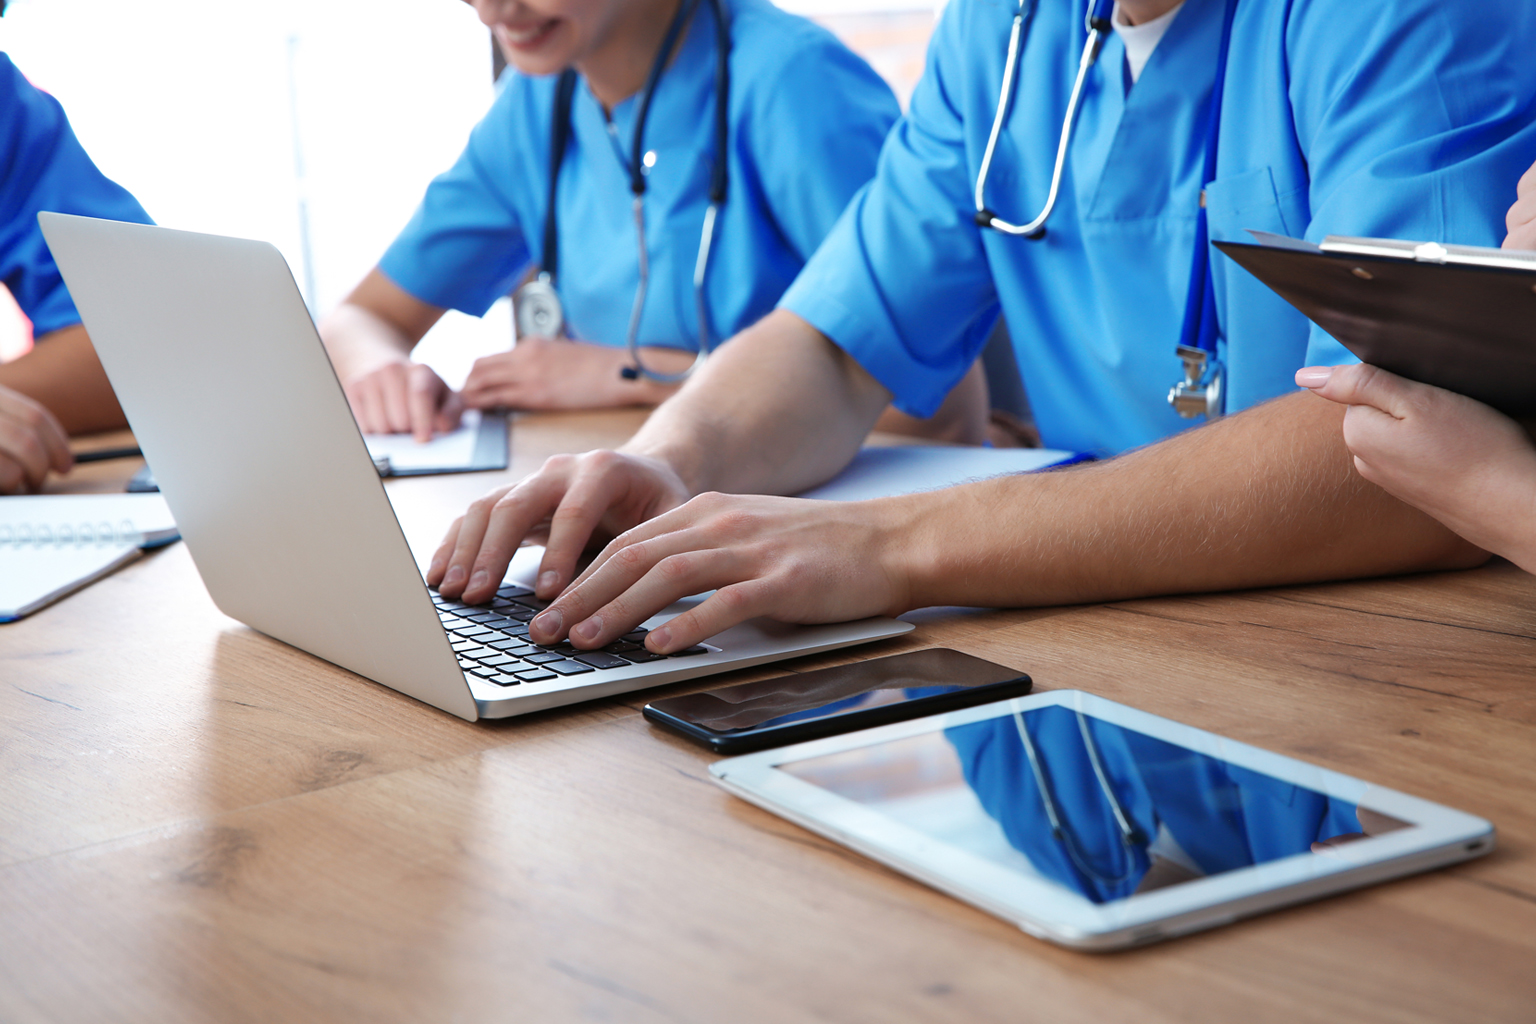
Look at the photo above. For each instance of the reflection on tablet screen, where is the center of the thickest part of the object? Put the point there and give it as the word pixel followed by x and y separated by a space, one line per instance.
pixel 1096 808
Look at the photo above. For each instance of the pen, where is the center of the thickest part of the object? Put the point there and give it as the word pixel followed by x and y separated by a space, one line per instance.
pixel 103 454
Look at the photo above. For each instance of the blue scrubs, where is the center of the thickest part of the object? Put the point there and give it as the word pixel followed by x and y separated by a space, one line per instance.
pixel 42 167
pixel 1413 120
pixel 807 118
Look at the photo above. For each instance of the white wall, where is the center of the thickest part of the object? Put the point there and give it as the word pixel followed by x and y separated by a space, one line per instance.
pixel 186 103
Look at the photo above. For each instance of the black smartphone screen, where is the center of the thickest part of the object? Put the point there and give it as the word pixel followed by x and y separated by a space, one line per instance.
pixel 806 705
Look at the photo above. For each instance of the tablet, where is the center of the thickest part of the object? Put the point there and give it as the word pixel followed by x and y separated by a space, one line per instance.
pixel 1098 826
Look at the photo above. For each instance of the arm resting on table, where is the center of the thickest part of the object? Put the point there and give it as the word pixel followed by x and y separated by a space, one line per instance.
pixel 1267 497
pixel 62 374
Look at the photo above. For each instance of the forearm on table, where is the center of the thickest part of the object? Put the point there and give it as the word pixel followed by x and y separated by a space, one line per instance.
pixel 378 322
pixel 777 410
pixel 1263 498
pixel 62 373
pixel 1518 540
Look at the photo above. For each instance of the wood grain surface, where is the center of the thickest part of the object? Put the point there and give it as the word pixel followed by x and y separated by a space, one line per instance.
pixel 198 823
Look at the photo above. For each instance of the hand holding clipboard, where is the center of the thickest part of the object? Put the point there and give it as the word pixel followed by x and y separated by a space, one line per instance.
pixel 1434 324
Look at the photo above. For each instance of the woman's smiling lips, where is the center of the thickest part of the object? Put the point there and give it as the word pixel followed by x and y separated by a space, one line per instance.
pixel 530 36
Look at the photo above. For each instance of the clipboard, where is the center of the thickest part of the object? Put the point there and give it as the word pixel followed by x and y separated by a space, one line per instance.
pixel 479 444
pixel 1461 318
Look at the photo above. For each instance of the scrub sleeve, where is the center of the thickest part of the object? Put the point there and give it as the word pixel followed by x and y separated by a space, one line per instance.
pixel 43 168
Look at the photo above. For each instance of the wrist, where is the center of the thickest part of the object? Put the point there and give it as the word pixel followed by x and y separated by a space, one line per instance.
pixel 680 459
pixel 643 390
pixel 358 359
pixel 911 549
pixel 1516 538
pixel 358 342
pixel 603 368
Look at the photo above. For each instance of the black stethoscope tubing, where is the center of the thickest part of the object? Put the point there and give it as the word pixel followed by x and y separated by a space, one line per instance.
pixel 560 135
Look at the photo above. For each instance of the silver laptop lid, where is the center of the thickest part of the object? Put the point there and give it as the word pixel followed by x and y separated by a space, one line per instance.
pixel 230 394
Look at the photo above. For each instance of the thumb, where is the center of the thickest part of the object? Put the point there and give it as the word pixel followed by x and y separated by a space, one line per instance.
pixel 1360 384
pixel 450 413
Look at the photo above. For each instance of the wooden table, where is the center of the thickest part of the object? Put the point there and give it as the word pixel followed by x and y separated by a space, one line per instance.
pixel 198 823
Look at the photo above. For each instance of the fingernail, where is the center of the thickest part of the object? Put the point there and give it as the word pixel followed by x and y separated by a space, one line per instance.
pixel 587 630
pixel 662 637
pixel 547 581
pixel 548 622
pixel 478 580
pixel 455 576
pixel 1313 376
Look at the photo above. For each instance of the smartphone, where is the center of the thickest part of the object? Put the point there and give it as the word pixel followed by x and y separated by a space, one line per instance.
pixel 829 701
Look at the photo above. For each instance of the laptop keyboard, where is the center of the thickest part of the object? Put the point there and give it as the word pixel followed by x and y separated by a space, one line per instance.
pixel 491 642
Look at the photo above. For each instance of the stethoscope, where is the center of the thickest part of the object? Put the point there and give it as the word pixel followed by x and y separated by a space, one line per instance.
pixel 538 307
pixel 1130 835
pixel 1200 393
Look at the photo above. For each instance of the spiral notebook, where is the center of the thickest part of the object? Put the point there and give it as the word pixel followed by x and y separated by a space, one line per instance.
pixel 53 544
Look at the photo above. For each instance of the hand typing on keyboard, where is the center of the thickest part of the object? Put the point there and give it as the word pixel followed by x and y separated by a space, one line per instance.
pixel 491 642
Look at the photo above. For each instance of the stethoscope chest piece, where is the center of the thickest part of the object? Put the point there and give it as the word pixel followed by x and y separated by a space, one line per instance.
pixel 536 309
pixel 1199 393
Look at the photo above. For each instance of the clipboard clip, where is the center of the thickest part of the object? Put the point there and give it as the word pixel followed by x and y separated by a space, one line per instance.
pixel 1431 252
pixel 382 464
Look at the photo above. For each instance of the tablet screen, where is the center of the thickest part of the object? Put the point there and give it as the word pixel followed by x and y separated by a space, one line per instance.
pixel 1098 809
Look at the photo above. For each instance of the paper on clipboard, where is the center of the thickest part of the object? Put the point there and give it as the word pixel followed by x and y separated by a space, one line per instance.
pixel 479 443
pixel 907 469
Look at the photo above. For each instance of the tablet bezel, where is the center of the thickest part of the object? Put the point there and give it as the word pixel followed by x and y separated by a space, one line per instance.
pixel 1441 836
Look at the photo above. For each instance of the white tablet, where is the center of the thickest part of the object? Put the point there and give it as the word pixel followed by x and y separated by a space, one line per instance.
pixel 1096 825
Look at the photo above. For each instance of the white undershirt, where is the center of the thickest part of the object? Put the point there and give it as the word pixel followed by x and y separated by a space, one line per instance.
pixel 1141 40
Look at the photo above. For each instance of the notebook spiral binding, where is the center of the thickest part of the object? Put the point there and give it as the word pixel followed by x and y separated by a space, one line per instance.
pixel 101 534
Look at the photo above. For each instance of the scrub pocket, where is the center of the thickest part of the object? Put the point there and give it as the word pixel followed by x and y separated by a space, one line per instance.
pixel 1265 338
pixel 1242 201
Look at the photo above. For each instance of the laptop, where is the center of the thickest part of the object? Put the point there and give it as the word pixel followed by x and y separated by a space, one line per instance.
pixel 234 402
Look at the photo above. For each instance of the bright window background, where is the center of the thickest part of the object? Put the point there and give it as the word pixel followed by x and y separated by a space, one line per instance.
pixel 312 124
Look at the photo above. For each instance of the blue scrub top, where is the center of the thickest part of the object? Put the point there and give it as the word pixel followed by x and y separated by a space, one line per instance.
pixel 42 167
pixel 807 118
pixel 1412 120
